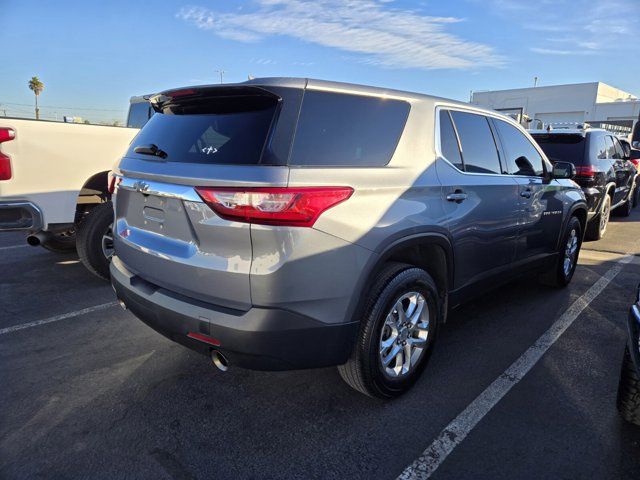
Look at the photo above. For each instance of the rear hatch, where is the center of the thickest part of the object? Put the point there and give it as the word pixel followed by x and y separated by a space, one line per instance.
pixel 213 136
pixel 564 147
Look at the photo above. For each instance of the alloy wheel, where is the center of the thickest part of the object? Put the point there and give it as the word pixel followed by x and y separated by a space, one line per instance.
pixel 107 243
pixel 570 252
pixel 604 217
pixel 405 335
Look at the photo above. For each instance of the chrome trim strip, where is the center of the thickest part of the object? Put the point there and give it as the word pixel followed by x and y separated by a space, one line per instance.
pixel 160 189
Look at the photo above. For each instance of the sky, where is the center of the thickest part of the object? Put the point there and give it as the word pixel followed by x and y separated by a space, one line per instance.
pixel 92 56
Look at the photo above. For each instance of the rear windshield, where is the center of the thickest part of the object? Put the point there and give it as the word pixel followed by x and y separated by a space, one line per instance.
pixel 213 133
pixel 562 147
pixel 337 129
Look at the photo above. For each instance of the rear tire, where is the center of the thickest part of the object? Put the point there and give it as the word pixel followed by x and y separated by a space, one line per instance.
pixel 94 229
pixel 61 242
pixel 565 266
pixel 373 368
pixel 597 227
pixel 628 401
pixel 636 196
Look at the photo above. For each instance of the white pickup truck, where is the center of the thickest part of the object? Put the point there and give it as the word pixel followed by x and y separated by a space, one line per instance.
pixel 54 182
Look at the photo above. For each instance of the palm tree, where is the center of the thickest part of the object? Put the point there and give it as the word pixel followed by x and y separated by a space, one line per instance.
pixel 36 86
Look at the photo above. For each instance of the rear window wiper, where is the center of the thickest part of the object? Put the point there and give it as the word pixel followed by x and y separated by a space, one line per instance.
pixel 150 149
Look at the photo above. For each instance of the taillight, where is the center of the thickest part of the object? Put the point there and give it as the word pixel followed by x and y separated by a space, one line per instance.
pixel 586 172
pixel 112 181
pixel 6 135
pixel 294 207
pixel 635 161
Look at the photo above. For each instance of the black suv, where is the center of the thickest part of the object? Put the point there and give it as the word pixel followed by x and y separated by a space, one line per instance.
pixel 603 170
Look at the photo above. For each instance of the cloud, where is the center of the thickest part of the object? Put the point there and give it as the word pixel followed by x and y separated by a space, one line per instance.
pixel 380 33
pixel 585 27
pixel 552 51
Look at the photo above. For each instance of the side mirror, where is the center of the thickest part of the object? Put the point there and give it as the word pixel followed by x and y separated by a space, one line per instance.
pixel 626 148
pixel 636 144
pixel 563 170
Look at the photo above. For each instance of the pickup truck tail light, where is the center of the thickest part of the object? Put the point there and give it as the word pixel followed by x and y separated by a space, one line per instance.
pixel 6 135
pixel 635 161
pixel 293 207
pixel 586 172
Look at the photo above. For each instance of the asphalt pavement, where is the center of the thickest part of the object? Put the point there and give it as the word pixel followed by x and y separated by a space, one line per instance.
pixel 98 394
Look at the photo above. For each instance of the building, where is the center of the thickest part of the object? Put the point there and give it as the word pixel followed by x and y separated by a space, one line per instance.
pixel 596 103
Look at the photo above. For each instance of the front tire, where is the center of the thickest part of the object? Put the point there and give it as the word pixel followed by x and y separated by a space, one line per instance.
pixel 396 334
pixel 628 401
pixel 624 210
pixel 95 240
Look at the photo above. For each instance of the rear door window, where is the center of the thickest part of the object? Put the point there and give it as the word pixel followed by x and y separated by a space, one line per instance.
pixel 449 147
pixel 221 134
pixel 522 158
pixel 337 129
pixel 479 151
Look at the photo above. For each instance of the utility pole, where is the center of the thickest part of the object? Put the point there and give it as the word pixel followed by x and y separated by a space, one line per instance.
pixel 221 72
pixel 535 82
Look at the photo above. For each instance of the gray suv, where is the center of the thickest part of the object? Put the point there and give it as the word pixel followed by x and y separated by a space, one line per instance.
pixel 291 223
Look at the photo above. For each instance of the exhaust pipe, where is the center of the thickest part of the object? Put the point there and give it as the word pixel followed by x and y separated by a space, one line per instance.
pixel 37 238
pixel 219 360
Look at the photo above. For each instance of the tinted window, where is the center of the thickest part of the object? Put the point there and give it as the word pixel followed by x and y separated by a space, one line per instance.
pixel 611 148
pixel 139 114
pixel 562 147
pixel 522 156
pixel 479 152
pixel 220 138
pixel 618 147
pixel 347 130
pixel 599 149
pixel 448 141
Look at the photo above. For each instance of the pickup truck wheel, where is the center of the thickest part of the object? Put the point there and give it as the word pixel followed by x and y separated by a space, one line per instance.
pixel 628 401
pixel 565 266
pixel 597 227
pixel 396 334
pixel 61 242
pixel 95 240
pixel 636 196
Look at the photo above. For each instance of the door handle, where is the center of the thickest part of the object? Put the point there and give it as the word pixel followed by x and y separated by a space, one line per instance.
pixel 526 193
pixel 457 196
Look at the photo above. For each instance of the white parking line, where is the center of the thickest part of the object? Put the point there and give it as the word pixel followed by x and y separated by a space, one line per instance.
pixel 57 318
pixel 454 433
pixel 14 246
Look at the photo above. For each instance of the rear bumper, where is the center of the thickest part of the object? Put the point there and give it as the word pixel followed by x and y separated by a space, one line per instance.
pixel 19 215
pixel 259 338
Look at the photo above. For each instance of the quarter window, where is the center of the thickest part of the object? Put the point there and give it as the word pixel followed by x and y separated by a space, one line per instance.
pixel 618 147
pixel 522 158
pixel 479 152
pixel 337 129
pixel 611 148
pixel 448 141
